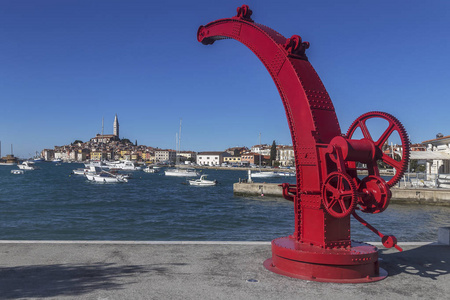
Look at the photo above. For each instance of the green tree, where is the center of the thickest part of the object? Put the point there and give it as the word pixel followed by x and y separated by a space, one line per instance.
pixel 77 141
pixel 273 153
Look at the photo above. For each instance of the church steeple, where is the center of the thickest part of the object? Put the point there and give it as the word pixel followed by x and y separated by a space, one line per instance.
pixel 116 126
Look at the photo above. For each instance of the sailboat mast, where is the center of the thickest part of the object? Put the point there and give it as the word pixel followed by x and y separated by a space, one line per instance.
pixel 179 137
pixel 260 151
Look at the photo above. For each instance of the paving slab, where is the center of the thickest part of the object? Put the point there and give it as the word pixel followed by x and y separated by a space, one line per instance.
pixel 200 270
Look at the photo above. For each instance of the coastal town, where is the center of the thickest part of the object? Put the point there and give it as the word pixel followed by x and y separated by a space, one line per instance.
pixel 110 147
pixel 431 156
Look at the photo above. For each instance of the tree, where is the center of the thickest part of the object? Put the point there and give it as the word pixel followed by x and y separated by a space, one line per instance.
pixel 273 153
pixel 77 142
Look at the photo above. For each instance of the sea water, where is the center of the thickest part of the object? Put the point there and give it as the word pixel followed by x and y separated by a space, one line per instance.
pixel 53 204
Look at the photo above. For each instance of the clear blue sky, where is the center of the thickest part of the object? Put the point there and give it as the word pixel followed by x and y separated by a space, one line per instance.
pixel 66 64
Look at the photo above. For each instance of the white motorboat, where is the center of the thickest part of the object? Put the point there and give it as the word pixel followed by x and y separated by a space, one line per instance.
pixel 264 174
pixel 181 172
pixel 17 172
pixel 57 160
pixel 202 181
pixel 287 174
pixel 127 165
pixel 27 165
pixel 80 171
pixel 150 169
pixel 106 177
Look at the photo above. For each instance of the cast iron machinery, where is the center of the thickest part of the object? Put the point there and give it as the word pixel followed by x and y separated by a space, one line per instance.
pixel 328 190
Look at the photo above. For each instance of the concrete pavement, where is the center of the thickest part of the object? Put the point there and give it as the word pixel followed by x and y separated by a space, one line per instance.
pixel 196 270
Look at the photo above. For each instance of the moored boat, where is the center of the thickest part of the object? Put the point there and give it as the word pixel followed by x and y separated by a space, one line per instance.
pixel 27 165
pixel 17 172
pixel 150 169
pixel 202 181
pixel 181 172
pixel 106 177
pixel 264 174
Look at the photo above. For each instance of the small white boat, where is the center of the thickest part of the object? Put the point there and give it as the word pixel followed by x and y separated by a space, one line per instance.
pixel 264 174
pixel 181 172
pixel 80 171
pixel 27 165
pixel 149 169
pixel 96 163
pixel 57 160
pixel 127 165
pixel 202 181
pixel 17 172
pixel 286 174
pixel 106 177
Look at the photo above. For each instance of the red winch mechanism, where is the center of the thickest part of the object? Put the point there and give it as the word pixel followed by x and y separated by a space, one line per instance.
pixel 327 190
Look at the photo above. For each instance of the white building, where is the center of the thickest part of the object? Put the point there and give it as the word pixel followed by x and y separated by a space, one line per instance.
pixel 261 149
pixel 285 155
pixel 437 156
pixel 213 158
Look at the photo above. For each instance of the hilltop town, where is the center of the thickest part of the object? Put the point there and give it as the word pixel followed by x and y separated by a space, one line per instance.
pixel 111 147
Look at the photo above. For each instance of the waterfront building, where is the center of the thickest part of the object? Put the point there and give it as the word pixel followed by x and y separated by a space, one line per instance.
pixel 437 155
pixel 83 155
pixel 211 158
pixel 251 158
pixel 263 149
pixel 232 160
pixel 48 154
pixel 165 155
pixel 187 155
pixel 285 155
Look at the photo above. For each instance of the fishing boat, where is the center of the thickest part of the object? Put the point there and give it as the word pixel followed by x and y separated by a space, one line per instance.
pixel 27 165
pixel 8 160
pixel 202 181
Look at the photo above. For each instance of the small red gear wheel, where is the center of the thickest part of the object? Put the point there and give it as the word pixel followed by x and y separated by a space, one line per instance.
pixel 339 194
pixel 394 125
pixel 373 194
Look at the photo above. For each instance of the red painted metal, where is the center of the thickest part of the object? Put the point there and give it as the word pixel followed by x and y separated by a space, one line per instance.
pixel 327 189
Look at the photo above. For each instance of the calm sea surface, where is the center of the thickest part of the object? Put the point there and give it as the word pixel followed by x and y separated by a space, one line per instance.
pixel 53 204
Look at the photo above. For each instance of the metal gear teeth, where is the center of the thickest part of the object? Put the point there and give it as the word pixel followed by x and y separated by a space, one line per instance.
pixel 403 137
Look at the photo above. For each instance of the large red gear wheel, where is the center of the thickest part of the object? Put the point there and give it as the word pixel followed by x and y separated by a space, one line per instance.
pixel 394 125
pixel 339 194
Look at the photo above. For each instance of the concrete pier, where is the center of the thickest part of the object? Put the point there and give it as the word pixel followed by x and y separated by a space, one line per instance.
pixel 200 270
pixel 407 195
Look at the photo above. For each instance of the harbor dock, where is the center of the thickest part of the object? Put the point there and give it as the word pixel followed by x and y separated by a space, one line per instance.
pixel 430 196
pixel 200 270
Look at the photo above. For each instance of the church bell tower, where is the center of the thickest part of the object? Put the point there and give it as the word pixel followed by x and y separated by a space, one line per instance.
pixel 116 126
